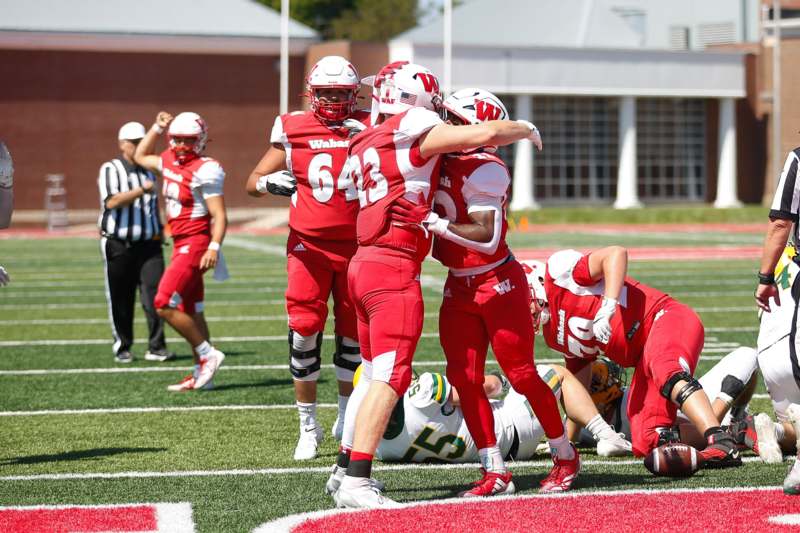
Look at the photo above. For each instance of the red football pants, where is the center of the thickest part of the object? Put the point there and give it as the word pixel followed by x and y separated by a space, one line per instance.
pixel 316 269
pixel 672 346
pixel 387 296
pixel 493 307
pixel 181 286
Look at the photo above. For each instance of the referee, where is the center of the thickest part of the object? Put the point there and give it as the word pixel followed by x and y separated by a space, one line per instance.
pixel 131 231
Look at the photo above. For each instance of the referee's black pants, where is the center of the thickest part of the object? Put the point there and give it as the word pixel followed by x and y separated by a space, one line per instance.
pixel 127 266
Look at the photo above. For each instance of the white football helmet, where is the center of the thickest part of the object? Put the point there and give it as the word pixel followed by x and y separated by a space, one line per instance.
pixel 188 124
pixel 332 72
pixel 400 86
pixel 473 106
pixel 535 272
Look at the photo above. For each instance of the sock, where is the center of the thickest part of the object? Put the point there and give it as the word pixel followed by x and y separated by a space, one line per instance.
pixel 600 429
pixel 360 465
pixel 492 460
pixel 343 406
pixel 561 447
pixel 780 431
pixel 308 414
pixel 203 349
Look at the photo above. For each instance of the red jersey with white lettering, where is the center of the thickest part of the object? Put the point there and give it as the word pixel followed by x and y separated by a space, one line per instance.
pixel 185 190
pixel 469 183
pixel 325 205
pixel 386 164
pixel 573 300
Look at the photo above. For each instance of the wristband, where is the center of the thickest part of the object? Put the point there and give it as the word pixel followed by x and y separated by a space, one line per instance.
pixel 766 279
pixel 214 246
pixel 156 128
pixel 261 185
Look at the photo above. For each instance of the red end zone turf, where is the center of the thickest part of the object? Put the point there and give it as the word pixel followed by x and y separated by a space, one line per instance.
pixel 678 511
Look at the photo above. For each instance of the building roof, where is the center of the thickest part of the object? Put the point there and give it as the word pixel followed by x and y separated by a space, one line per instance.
pixel 598 24
pixel 211 18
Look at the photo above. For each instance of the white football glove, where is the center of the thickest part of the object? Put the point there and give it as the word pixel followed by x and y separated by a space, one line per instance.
pixel 534 136
pixel 353 126
pixel 4 277
pixel 601 327
pixel 435 224
pixel 281 183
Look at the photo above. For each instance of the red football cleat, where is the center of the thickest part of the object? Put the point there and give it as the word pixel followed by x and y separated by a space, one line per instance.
pixel 491 484
pixel 563 474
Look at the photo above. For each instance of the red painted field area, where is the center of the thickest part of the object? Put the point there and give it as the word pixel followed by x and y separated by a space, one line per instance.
pixel 746 510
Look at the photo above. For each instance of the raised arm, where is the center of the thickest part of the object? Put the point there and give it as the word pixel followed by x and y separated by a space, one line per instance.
pixel 145 150
pixel 445 138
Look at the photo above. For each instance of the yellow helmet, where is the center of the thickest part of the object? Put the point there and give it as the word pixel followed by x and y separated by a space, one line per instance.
pixel 608 380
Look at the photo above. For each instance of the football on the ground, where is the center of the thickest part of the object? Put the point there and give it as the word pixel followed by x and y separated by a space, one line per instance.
pixel 673 460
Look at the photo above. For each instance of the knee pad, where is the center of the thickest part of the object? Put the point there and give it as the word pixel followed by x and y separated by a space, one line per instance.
pixel 346 358
pixel 304 355
pixel 692 386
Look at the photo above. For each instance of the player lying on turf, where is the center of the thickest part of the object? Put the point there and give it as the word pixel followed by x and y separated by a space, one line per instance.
pixel 778 361
pixel 587 307
pixel 428 424
pixel 729 386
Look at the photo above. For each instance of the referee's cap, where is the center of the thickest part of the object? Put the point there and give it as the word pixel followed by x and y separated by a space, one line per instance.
pixel 131 131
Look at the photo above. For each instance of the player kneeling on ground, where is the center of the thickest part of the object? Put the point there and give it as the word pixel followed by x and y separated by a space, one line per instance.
pixel 196 214
pixel 428 423
pixel 587 307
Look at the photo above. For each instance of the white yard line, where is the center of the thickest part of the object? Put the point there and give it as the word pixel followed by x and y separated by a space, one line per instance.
pixel 305 470
pixel 98 305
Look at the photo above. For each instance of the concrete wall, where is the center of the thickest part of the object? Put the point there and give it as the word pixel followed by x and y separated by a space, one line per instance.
pixel 60 112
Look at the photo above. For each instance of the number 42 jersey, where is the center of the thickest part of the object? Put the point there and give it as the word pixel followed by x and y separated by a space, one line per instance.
pixel 325 205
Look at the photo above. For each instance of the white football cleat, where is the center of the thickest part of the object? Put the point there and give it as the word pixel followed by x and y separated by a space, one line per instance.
pixel 337 475
pixel 208 367
pixel 308 443
pixel 363 496
pixel 614 447
pixel 768 448
pixel 186 384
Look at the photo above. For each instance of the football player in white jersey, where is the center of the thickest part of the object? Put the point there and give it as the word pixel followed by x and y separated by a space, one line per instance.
pixel 428 424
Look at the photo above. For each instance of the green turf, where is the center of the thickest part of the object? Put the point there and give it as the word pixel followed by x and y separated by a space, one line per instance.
pixel 654 214
pixel 61 280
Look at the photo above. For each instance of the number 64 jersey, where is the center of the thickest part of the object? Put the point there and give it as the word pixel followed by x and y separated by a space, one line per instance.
pixel 325 205
pixel 426 427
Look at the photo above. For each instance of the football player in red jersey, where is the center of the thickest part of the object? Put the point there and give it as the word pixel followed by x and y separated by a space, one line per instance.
pixel 307 161
pixel 397 158
pixel 586 306
pixel 195 209
pixel 486 300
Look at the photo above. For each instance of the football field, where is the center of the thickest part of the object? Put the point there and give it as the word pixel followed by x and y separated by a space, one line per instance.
pixel 78 428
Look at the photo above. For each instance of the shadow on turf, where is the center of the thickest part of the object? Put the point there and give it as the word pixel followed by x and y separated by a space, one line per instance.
pixel 265 383
pixel 94 453
pixel 529 483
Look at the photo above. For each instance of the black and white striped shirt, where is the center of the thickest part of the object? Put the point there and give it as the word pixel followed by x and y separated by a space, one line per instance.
pixel 138 221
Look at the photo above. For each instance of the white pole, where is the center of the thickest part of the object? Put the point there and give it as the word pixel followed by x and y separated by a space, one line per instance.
pixel 726 155
pixel 448 48
pixel 627 188
pixel 284 102
pixel 777 150
pixel 524 196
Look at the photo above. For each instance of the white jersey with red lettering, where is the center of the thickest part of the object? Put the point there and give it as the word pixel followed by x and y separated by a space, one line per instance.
pixel 426 426
pixel 574 298
pixel 185 190
pixel 386 164
pixel 325 205
pixel 469 183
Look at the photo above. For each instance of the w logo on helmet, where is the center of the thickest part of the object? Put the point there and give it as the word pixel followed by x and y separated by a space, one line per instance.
pixel 429 82
pixel 486 111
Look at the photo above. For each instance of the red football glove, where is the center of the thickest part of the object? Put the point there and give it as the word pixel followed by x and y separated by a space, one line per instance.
pixel 408 212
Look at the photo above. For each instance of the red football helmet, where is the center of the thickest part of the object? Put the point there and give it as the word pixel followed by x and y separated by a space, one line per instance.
pixel 332 72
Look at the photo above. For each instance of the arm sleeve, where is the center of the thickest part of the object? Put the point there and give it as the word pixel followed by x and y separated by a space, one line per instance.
pixel 211 178
pixel 562 263
pixel 108 182
pixel 580 272
pixel 787 196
